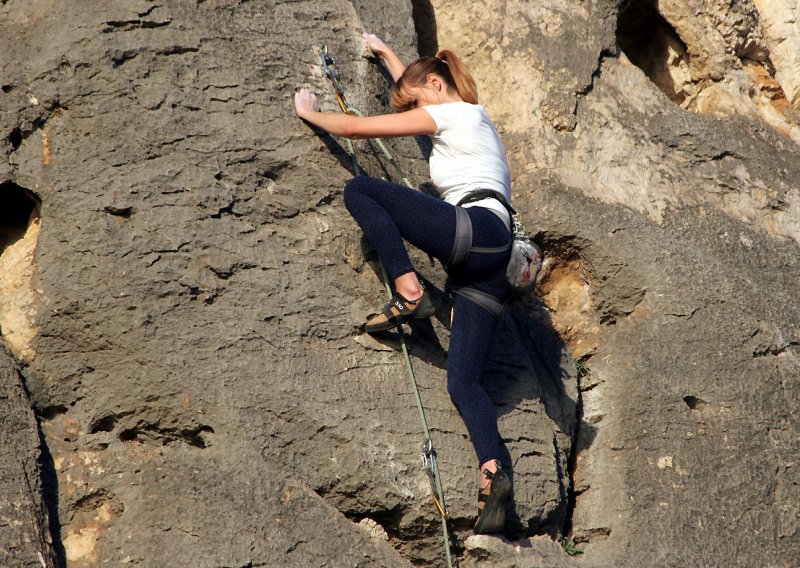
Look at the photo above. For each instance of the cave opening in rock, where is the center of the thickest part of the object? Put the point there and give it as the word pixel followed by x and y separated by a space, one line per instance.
pixel 652 44
pixel 19 208
pixel 19 235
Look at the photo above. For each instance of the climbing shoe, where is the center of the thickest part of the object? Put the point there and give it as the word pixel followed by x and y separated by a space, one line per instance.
pixel 399 310
pixel 492 501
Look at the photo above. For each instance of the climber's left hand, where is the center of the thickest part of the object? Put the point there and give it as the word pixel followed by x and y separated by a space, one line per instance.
pixel 305 102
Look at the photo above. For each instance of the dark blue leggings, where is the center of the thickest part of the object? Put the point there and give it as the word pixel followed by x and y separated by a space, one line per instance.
pixel 388 213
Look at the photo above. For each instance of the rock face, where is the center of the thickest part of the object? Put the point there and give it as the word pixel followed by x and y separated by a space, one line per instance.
pixel 675 245
pixel 779 24
pixel 187 286
pixel 25 537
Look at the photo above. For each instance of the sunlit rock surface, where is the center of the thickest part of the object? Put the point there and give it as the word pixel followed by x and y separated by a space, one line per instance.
pixel 186 289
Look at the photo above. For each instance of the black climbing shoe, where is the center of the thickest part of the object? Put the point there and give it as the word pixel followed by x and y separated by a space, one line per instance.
pixel 399 310
pixel 492 501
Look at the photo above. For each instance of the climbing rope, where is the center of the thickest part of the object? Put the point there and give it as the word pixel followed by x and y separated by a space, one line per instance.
pixel 428 452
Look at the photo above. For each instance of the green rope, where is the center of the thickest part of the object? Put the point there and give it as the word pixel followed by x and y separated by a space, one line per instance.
pixel 434 469
pixel 428 452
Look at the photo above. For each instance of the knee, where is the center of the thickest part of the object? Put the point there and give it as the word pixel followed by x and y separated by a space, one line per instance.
pixel 353 188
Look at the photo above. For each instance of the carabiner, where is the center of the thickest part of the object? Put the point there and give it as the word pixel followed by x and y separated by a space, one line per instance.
pixel 332 72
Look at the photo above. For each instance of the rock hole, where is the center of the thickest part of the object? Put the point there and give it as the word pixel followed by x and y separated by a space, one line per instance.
pixel 694 402
pixel 380 523
pixel 104 424
pixel 19 234
pixel 50 412
pixel 653 45
pixel 19 207
pixel 195 437
pixel 123 211
pixel 129 435
pixel 15 138
pixel 148 433
pixel 8 88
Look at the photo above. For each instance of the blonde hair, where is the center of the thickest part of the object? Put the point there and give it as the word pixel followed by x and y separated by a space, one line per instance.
pixel 446 65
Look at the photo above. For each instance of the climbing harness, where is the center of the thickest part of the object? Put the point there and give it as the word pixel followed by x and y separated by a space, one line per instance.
pixel 428 452
pixel 525 259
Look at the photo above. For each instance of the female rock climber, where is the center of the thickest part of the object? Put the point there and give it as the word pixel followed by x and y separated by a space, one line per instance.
pixel 437 96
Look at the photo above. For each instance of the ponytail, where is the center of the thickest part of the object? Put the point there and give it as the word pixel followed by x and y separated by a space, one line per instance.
pixel 448 66
pixel 462 81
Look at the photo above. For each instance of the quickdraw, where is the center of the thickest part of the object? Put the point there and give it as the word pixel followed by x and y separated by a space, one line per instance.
pixel 332 72
pixel 428 452
pixel 430 467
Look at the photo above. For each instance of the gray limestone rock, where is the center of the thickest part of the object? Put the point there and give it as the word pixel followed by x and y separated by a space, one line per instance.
pixel 25 536
pixel 189 321
pixel 199 288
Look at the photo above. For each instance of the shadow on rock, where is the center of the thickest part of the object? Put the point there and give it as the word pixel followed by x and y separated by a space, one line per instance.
pixel 530 369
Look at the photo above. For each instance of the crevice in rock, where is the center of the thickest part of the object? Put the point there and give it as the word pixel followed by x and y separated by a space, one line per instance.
pixel 178 50
pixel 560 521
pixel 580 442
pixel 598 70
pixel 123 211
pixel 651 43
pixel 50 494
pixel 149 11
pixel 578 297
pixel 424 18
pixel 129 25
pixel 51 411
pixel 120 57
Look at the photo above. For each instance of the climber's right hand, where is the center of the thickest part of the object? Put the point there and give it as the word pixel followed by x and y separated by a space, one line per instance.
pixel 389 57
pixel 375 44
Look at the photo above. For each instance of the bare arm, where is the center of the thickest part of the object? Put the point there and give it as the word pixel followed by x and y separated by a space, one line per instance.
pixel 411 123
pixel 389 57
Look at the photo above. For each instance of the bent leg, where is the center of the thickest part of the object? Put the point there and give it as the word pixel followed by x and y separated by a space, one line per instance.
pixel 388 213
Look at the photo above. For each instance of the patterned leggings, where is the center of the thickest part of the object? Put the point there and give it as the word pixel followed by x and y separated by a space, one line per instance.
pixel 388 213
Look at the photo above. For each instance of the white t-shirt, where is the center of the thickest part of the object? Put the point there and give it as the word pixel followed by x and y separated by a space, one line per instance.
pixel 468 155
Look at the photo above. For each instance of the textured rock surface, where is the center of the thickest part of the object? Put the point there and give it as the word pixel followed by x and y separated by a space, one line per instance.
pixel 25 538
pixel 779 23
pixel 677 236
pixel 714 58
pixel 194 354
pixel 201 287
